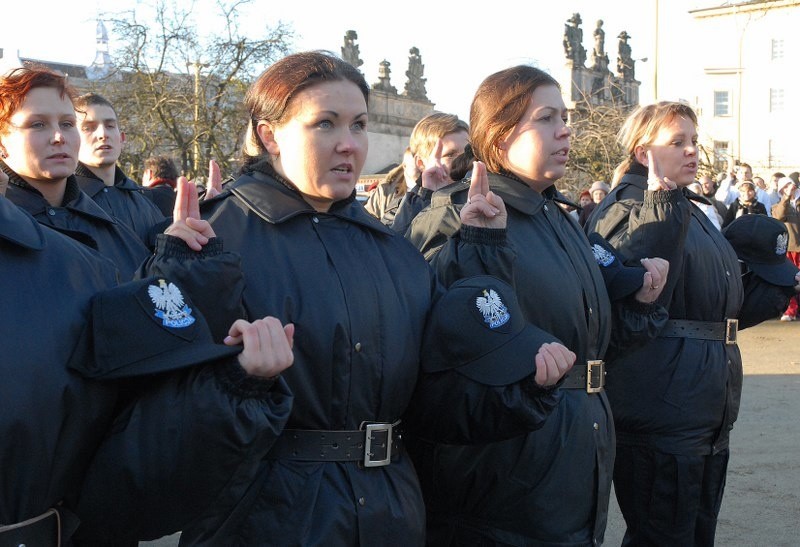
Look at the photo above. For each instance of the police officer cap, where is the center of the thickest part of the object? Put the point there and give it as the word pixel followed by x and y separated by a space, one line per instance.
pixel 478 329
pixel 146 327
pixel 760 242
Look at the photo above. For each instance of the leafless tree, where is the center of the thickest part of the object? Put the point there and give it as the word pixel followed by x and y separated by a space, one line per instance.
pixel 181 93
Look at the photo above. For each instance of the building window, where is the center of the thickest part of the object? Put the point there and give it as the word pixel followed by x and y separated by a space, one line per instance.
pixel 722 103
pixel 778 152
pixel 775 100
pixel 721 155
pixel 777 49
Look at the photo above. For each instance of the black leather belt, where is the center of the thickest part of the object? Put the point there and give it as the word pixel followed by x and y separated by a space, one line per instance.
pixel 702 330
pixel 591 377
pixel 375 445
pixel 44 530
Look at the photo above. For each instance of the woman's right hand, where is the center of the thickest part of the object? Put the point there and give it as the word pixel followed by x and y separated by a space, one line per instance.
pixel 655 180
pixel 186 222
pixel 435 175
pixel 267 345
pixel 553 361
pixel 484 208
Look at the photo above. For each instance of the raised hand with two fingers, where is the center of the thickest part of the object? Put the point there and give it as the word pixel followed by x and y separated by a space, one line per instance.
pixel 484 208
pixel 655 180
pixel 186 222
pixel 435 175
pixel 214 186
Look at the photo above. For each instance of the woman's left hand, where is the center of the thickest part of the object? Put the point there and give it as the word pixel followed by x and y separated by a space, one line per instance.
pixel 654 279
pixel 797 282
pixel 186 222
pixel 484 208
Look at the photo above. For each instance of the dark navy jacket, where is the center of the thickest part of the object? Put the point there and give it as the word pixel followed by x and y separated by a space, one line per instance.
pixel 678 395
pixel 128 473
pixel 359 296
pixel 550 486
pixel 83 220
pixel 126 201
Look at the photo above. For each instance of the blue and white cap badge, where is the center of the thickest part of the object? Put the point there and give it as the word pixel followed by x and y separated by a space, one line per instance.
pixel 494 312
pixel 782 244
pixel 170 306
pixel 603 257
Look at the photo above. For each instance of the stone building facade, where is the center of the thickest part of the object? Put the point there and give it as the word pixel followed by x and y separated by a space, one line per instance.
pixel 392 115
pixel 596 84
pixel 748 100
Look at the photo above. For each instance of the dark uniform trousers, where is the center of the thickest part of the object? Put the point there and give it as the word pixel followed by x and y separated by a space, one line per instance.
pixel 669 499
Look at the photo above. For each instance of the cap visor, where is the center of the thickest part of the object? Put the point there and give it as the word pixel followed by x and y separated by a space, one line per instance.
pixel 782 274
pixel 188 356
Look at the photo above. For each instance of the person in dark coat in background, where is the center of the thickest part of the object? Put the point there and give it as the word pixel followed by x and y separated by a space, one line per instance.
pixel 98 173
pixel 160 177
pixel 359 296
pixel 747 204
pixel 676 398
pixel 550 486
pixel 119 426
pixel 41 164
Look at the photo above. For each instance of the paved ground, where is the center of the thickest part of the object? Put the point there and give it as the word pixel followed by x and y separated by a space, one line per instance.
pixel 761 507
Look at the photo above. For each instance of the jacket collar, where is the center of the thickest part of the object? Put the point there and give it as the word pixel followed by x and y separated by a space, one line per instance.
pixel 19 227
pixel 637 176
pixel 31 200
pixel 91 183
pixel 276 200
pixel 519 195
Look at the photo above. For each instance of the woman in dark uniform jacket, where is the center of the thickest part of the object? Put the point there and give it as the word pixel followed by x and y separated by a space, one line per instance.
pixel 551 486
pixel 66 447
pixel 46 187
pixel 359 296
pixel 676 398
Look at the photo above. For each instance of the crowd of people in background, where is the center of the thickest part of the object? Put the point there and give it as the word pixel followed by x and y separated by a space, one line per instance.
pixel 470 357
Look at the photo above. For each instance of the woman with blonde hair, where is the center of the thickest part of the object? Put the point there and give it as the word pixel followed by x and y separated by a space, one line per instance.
pixel 675 398
pixel 550 486
pixel 384 200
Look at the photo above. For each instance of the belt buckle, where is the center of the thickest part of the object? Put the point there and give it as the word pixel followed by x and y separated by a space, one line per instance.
pixel 595 368
pixel 368 444
pixel 731 331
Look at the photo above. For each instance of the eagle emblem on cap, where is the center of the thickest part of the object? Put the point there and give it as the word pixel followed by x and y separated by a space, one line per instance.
pixel 170 306
pixel 492 308
pixel 782 244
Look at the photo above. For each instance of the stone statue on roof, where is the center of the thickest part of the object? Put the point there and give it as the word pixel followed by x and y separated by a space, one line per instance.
pixel 415 85
pixel 573 40
pixel 350 52
pixel 384 74
pixel 625 63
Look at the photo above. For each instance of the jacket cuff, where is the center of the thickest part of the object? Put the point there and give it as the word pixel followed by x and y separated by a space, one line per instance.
pixel 235 380
pixel 483 236
pixel 534 390
pixel 175 247
pixel 640 307
pixel 662 196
